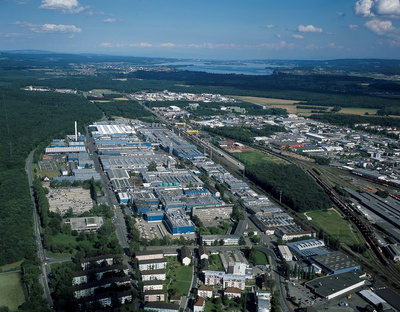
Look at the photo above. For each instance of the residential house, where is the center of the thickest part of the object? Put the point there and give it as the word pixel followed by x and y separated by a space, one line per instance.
pixel 150 275
pixel 233 292
pixel 205 291
pixel 185 255
pixel 154 295
pixel 88 263
pixel 199 305
pixel 234 280
pixel 153 264
pixel 153 285
pixel 213 277
pixel 161 307
pixel 148 255
pixel 203 253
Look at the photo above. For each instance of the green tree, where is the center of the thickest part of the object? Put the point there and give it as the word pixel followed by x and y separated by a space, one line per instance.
pixel 152 166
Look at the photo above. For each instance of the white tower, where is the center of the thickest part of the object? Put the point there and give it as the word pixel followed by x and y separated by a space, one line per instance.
pixel 76 132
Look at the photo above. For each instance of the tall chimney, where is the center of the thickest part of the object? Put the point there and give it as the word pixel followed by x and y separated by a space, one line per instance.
pixel 76 132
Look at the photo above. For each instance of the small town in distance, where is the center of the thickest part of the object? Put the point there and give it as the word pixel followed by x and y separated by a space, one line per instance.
pixel 194 232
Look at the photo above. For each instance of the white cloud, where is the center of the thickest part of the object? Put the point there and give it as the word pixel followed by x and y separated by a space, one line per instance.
pixel 52 28
pixel 372 8
pixel 277 45
pixel 309 28
pixel 388 7
pixel 269 26
pixel 298 36
pixel 65 6
pixel 379 27
pixel 105 45
pixel 141 45
pixel 167 45
pixel 353 27
pixel 109 20
pixel 363 8
pixel 49 28
pixel 278 36
pixel 340 14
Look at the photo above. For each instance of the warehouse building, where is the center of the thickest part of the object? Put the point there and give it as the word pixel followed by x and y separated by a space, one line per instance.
pixel 86 224
pixel 285 253
pixel 308 248
pixel 335 262
pixel 207 214
pixel 332 286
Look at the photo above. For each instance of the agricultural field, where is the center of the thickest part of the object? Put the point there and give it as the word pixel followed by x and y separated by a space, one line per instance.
pixel 291 108
pixel 11 290
pixel 332 222
pixel 179 276
pixel 265 101
pixel 252 157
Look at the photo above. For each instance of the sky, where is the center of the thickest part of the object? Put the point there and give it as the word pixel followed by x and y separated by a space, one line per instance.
pixel 205 29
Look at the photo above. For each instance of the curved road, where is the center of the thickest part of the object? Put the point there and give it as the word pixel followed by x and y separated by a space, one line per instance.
pixel 43 279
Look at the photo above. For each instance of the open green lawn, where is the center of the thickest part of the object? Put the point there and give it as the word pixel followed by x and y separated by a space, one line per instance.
pixel 215 263
pixel 179 275
pixel 64 238
pixel 252 157
pixel 332 223
pixel 11 290
pixel 260 257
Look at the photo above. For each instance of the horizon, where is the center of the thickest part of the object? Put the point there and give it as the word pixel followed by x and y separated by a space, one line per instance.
pixel 208 30
pixel 192 59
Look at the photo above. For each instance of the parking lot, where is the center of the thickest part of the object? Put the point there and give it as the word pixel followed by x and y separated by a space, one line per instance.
pixel 150 230
pixel 352 299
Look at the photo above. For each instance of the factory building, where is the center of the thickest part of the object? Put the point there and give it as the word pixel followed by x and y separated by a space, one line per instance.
pixel 177 222
pixel 207 214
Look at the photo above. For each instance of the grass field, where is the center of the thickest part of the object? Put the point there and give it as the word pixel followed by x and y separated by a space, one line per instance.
pixel 260 257
pixel 10 266
pixel 251 157
pixel 11 290
pixel 179 275
pixel 333 224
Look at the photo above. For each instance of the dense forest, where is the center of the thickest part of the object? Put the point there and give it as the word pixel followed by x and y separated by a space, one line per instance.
pixel 298 190
pixel 29 120
pixel 244 134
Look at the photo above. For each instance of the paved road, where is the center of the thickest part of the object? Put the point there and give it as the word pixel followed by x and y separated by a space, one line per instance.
pixel 280 281
pixel 110 198
pixel 43 278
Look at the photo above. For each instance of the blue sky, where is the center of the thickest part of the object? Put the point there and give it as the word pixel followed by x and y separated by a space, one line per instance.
pixel 218 29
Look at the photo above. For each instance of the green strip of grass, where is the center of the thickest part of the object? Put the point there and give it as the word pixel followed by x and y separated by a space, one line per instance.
pixel 332 223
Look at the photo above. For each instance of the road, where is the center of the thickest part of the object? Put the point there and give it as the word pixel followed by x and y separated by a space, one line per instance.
pixel 280 281
pixel 110 198
pixel 44 269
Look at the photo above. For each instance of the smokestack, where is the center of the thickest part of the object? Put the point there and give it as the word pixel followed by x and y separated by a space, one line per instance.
pixel 76 132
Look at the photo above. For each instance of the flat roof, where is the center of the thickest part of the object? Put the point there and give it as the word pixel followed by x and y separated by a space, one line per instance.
pixel 331 284
pixel 335 261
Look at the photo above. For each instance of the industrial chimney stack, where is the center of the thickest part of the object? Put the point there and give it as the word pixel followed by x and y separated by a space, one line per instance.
pixel 76 132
